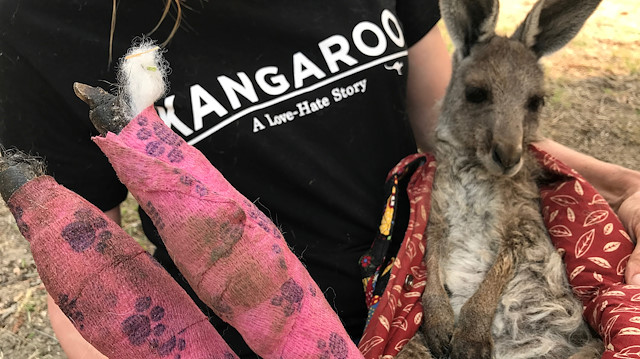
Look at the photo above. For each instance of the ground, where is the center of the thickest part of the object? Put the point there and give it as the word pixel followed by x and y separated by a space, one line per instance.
pixel 593 106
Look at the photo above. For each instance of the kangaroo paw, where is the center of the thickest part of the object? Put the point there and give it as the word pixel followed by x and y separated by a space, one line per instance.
pixel 471 345
pixel 415 348
pixel 438 323
pixel 437 334
pixel 16 169
pixel 106 111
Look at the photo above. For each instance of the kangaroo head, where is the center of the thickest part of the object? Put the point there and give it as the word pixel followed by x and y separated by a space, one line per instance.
pixel 490 110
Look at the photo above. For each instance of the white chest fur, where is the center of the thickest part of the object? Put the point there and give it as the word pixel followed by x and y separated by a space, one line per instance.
pixel 473 210
pixel 483 215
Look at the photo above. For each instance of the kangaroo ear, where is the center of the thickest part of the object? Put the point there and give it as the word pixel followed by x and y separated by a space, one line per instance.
pixel 551 24
pixel 469 22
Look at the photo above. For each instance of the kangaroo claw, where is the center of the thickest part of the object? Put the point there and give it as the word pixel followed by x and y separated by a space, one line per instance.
pixel 105 110
pixel 16 169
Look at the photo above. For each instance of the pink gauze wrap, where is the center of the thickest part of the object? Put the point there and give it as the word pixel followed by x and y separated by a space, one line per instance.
pixel 116 295
pixel 232 255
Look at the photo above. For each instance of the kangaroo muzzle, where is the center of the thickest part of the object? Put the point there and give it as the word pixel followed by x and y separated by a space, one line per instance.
pixel 506 156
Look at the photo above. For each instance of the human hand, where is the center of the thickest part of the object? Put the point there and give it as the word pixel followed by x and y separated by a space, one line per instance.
pixel 629 213
pixel 619 186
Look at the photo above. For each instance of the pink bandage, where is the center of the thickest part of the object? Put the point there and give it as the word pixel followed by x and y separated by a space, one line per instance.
pixel 115 294
pixel 233 256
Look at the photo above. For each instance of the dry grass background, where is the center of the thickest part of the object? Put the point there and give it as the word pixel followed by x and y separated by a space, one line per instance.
pixel 594 83
pixel 594 106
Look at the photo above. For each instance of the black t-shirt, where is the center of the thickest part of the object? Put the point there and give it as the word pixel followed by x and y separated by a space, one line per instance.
pixel 300 105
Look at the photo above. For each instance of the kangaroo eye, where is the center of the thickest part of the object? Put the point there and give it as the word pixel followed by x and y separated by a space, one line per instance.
pixel 476 94
pixel 535 103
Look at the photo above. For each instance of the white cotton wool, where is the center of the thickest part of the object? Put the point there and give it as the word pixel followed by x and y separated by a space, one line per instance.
pixel 142 76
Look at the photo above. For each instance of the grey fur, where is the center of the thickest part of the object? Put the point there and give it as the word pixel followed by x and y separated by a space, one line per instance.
pixel 16 169
pixel 559 21
pixel 480 16
pixel 496 287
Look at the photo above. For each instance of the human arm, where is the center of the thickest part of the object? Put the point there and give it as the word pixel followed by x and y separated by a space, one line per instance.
pixel 73 344
pixel 429 73
pixel 619 186
pixel 114 214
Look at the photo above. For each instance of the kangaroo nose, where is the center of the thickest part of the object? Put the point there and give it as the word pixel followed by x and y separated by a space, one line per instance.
pixel 507 157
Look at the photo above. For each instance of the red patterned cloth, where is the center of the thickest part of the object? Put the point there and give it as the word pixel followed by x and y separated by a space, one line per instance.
pixel 597 248
pixel 581 224
pixel 398 312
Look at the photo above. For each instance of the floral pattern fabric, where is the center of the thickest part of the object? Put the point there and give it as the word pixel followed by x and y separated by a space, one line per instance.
pixel 396 312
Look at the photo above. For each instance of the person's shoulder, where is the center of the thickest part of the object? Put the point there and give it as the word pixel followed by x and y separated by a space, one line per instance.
pixel 418 17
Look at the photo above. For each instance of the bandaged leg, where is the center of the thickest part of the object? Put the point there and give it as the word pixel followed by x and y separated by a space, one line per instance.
pixel 234 258
pixel 116 295
pixel 232 255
